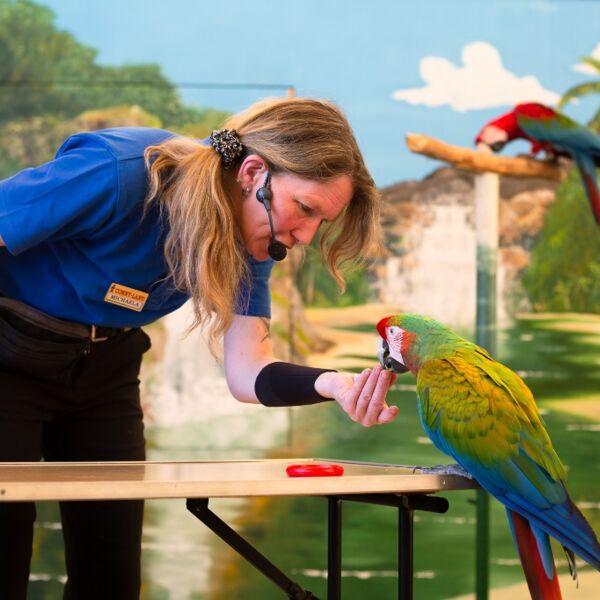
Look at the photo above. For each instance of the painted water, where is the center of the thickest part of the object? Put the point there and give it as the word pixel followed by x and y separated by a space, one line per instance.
pixel 195 418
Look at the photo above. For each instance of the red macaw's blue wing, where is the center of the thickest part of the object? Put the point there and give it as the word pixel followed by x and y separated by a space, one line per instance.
pixel 582 144
pixel 562 132
pixel 483 415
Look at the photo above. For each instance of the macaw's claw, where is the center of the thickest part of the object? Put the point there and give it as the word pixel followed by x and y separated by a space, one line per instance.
pixel 454 469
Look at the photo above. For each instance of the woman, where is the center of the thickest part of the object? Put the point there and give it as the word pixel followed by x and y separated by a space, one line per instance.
pixel 122 227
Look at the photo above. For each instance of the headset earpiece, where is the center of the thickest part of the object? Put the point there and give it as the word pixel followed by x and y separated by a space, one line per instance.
pixel 277 250
pixel 264 194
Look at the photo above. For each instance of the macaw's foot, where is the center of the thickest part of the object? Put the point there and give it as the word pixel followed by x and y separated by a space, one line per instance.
pixel 454 469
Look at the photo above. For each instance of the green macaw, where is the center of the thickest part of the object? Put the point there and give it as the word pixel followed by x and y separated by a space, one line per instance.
pixel 482 414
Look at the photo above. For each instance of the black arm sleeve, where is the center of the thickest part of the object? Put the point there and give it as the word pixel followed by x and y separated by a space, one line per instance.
pixel 285 384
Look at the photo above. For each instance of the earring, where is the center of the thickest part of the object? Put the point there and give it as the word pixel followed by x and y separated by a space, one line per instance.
pixel 245 192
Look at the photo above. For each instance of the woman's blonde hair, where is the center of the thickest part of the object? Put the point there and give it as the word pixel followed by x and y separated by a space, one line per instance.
pixel 203 248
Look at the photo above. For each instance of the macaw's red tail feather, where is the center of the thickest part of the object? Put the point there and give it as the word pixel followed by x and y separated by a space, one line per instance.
pixel 541 587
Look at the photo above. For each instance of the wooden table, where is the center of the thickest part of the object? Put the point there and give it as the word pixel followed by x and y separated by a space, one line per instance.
pixel 198 481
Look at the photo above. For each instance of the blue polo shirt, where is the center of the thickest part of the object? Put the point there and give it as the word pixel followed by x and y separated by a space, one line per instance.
pixel 74 226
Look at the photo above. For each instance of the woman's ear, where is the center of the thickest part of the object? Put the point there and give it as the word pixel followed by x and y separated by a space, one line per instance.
pixel 252 171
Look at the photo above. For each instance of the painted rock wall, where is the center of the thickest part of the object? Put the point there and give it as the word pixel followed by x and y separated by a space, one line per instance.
pixel 430 240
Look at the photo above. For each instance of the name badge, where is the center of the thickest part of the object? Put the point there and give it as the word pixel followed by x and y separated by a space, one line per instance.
pixel 127 297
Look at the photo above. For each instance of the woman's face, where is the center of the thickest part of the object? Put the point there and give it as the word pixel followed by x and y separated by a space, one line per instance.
pixel 298 207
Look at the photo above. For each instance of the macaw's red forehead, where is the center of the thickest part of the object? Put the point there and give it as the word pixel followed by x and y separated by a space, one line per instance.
pixel 393 320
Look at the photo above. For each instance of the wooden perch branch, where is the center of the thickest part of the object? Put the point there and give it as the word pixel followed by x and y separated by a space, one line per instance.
pixel 464 158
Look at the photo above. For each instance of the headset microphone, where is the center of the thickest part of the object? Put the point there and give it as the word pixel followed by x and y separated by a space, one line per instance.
pixel 277 250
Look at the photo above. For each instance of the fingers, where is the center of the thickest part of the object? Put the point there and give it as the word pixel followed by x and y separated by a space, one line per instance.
pixel 367 404
pixel 387 415
pixel 365 394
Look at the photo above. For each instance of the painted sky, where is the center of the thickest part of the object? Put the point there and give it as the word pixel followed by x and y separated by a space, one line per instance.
pixel 430 66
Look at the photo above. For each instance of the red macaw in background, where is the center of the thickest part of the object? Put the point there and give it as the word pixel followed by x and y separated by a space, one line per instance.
pixel 556 134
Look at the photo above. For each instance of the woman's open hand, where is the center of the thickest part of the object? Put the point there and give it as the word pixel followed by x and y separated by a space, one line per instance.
pixel 362 396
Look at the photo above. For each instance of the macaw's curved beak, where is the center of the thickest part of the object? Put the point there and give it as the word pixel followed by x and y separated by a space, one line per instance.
pixel 497 146
pixel 387 362
pixel 494 136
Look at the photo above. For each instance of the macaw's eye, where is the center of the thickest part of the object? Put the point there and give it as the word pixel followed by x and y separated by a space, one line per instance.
pixel 497 146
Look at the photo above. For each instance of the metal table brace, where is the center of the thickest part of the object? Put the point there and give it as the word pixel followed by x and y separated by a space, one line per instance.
pixel 406 505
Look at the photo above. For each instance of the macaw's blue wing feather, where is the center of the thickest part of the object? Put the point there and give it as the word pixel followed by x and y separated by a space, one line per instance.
pixel 563 133
pixel 484 416
pixel 543 543
pixel 556 514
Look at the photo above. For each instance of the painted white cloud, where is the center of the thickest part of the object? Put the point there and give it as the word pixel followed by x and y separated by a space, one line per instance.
pixel 583 68
pixel 481 81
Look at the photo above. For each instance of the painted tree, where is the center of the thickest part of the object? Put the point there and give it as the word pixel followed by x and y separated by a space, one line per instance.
pixel 46 71
pixel 51 87
pixel 564 274
pixel 584 89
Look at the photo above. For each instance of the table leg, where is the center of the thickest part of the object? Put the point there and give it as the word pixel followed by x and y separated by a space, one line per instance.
pixel 334 550
pixel 406 506
pixel 405 552
pixel 199 508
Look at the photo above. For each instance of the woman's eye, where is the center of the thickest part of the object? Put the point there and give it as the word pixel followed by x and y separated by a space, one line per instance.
pixel 307 210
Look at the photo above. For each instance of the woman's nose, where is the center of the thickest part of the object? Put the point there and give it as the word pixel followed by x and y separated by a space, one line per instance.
pixel 304 233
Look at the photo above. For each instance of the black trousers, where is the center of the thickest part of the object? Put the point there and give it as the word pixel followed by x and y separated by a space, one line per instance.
pixel 90 412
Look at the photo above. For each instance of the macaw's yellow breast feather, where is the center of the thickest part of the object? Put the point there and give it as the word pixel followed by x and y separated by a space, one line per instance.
pixel 487 414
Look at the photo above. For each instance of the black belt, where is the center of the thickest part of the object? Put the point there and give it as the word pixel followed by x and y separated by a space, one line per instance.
pixel 40 319
pixel 99 334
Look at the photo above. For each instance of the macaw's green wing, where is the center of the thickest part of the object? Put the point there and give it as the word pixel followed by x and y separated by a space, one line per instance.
pixel 482 414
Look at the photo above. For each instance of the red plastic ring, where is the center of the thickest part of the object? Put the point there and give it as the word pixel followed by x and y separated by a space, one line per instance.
pixel 315 470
